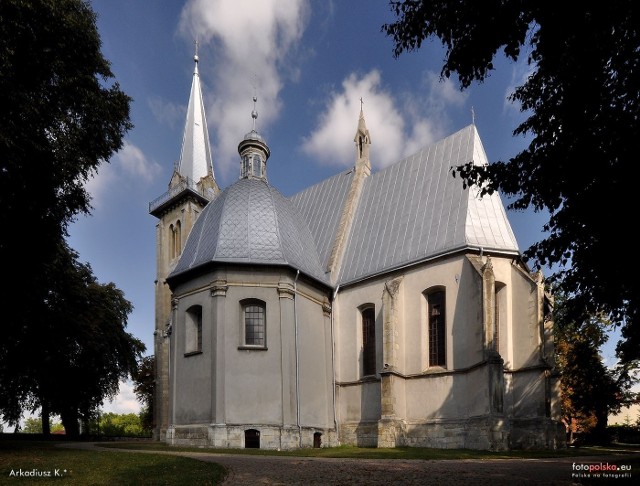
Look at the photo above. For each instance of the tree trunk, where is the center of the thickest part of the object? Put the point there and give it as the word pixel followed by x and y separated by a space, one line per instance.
pixel 600 434
pixel 70 423
pixel 46 422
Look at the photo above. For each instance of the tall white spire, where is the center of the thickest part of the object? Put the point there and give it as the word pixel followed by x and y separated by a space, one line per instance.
pixel 195 157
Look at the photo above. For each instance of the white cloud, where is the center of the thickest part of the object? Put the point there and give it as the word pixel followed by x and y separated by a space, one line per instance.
pixel 124 402
pixel 134 163
pixel 332 140
pixel 428 114
pixel 128 166
pixel 442 93
pixel 253 46
pixel 520 72
pixel 171 114
pixel 399 123
pixel 99 183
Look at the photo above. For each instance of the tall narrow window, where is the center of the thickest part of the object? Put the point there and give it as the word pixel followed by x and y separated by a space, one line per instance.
pixel 193 330
pixel 245 166
pixel 175 243
pixel 254 315
pixel 437 327
pixel 257 166
pixel 368 341
pixel 178 236
pixel 172 242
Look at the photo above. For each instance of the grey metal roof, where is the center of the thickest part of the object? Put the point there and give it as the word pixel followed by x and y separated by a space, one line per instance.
pixel 251 222
pixel 195 156
pixel 321 207
pixel 415 210
pixel 411 211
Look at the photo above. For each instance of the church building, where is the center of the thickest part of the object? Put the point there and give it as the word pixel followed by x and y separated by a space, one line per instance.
pixel 378 309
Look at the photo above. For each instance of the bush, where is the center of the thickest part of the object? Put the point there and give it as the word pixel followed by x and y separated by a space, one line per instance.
pixel 121 425
pixel 624 434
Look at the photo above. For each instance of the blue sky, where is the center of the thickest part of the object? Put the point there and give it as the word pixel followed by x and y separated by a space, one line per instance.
pixel 309 62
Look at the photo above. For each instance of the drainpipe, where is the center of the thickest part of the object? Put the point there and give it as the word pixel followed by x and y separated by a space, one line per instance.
pixel 295 318
pixel 333 364
pixel 171 419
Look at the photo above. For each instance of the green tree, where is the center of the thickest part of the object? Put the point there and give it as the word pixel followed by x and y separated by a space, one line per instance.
pixel 589 391
pixel 87 351
pixel 144 388
pixel 582 99
pixel 33 425
pixel 121 425
pixel 61 116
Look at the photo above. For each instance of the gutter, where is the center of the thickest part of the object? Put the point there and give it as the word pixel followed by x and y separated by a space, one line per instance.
pixel 295 317
pixel 333 364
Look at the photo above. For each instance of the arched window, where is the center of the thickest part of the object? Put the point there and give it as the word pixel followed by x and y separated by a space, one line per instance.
pixel 254 323
pixel 193 330
pixel 257 166
pixel 172 242
pixel 368 315
pixel 245 166
pixel 437 324
pixel 175 240
pixel 178 237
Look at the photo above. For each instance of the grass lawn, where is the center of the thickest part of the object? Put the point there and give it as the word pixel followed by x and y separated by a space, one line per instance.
pixel 381 453
pixel 82 468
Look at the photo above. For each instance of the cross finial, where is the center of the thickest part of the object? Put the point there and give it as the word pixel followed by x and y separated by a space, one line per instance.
pixel 195 57
pixel 361 103
pixel 473 116
pixel 254 113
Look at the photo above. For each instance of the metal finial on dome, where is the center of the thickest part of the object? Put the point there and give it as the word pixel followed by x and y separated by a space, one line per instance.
pixel 254 113
pixel 253 151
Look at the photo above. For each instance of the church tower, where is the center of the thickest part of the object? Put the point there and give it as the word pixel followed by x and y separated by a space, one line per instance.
pixel 191 187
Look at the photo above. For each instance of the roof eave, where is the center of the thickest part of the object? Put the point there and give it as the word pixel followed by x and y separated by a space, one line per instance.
pixel 453 251
pixel 175 278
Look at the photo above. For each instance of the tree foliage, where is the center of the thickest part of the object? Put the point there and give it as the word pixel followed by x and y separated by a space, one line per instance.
pixel 582 99
pixel 122 425
pixel 61 116
pixel 77 353
pixel 144 388
pixel 33 425
pixel 94 351
pixel 589 391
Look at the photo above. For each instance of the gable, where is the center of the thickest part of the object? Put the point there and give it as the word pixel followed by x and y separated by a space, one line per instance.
pixel 412 211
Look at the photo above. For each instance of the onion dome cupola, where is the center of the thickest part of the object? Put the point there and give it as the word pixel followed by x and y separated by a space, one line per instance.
pixel 254 152
pixel 250 222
